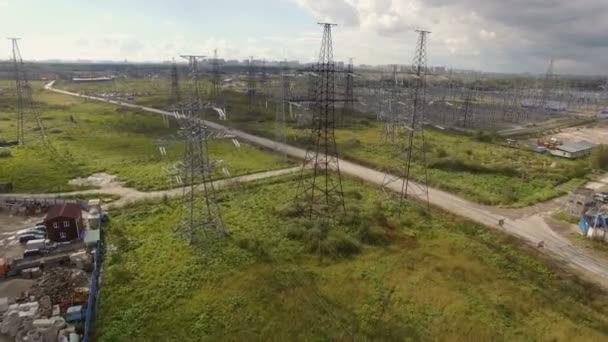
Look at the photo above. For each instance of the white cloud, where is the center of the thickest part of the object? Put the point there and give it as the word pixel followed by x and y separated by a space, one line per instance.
pixel 487 34
pixel 481 34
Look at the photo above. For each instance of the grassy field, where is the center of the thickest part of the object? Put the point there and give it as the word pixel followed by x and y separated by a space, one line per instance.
pixel 93 137
pixel 473 166
pixel 382 277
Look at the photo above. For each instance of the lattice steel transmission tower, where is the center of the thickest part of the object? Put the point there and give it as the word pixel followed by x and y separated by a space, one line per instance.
pixel 283 107
pixel 390 117
pixel 349 94
pixel 548 84
pixel 412 171
pixel 263 73
pixel 251 82
pixel 395 68
pixel 175 96
pixel 322 191
pixel 200 215
pixel 390 114
pixel 28 115
pixel 467 119
pixel 215 76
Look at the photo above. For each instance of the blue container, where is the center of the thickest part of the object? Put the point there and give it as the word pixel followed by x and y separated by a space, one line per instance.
pixel 74 314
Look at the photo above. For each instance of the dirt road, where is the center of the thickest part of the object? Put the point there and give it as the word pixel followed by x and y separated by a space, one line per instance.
pixel 531 229
pixel 130 195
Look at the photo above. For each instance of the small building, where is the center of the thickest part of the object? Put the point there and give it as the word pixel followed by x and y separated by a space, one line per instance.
pixel 573 150
pixel 594 226
pixel 94 214
pixel 580 200
pixel 91 237
pixel 64 222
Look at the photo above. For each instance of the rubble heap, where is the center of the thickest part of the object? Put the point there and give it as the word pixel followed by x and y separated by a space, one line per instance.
pixel 59 284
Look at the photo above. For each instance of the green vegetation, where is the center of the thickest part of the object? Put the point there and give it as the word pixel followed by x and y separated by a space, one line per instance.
pixel 600 157
pixel 599 246
pixel 475 166
pixel 93 137
pixel 565 216
pixel 382 277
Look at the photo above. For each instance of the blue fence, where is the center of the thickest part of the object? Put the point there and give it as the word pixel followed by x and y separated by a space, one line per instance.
pixel 93 295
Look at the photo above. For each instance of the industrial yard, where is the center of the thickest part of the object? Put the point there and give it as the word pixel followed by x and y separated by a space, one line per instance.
pixel 218 195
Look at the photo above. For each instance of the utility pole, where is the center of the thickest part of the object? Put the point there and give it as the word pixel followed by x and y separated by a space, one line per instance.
pixel 322 191
pixel 27 111
pixel 414 181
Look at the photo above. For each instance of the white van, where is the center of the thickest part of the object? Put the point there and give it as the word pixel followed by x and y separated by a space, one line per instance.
pixel 36 244
pixel 40 244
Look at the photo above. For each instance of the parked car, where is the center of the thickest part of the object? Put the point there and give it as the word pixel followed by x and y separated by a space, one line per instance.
pixel 601 197
pixel 35 230
pixel 24 238
pixel 28 253
pixel 38 229
pixel 50 245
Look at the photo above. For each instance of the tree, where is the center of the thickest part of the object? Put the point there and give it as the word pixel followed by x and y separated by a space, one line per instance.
pixel 600 157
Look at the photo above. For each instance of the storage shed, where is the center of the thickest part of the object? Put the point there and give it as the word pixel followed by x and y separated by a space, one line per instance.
pixel 573 150
pixel 64 222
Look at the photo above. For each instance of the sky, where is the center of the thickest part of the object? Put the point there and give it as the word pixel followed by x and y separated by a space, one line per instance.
pixel 490 35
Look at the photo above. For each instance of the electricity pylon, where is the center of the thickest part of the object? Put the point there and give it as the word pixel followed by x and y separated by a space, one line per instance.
pixel 411 159
pixel 322 191
pixel 201 217
pixel 28 115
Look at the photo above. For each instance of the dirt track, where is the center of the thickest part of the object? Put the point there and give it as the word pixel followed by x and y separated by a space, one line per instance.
pixel 531 229
pixel 130 195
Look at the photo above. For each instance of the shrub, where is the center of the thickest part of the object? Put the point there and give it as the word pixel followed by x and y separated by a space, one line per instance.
pixel 600 157
pixel 296 232
pixel 441 152
pixel 354 194
pixel 482 136
pixel 350 143
pixel 5 152
pixel 255 247
pixel 458 165
pixel 340 244
pixel 374 235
